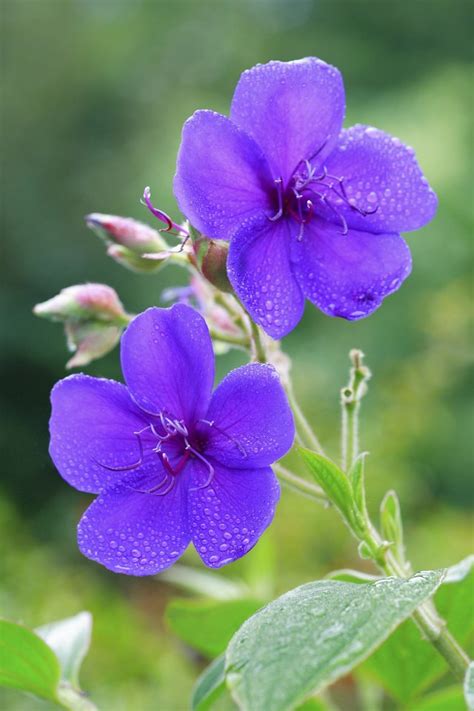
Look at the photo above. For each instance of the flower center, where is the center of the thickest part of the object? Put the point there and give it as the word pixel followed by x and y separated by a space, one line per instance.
pixel 170 439
pixel 310 193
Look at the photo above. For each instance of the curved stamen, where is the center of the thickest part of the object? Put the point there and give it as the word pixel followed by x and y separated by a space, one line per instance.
pixel 161 215
pixel 319 179
pixel 279 183
pixel 211 423
pixel 154 490
pixel 177 468
pixel 128 467
pixel 208 465
pixel 338 214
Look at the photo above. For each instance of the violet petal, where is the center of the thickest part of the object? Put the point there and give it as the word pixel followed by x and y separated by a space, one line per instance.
pixel 260 271
pixel 381 177
pixel 136 533
pixel 293 110
pixel 228 517
pixel 349 275
pixel 168 362
pixel 92 424
pixel 253 425
pixel 222 177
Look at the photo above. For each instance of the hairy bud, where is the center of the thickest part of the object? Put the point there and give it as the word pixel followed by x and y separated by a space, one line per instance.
pixel 93 318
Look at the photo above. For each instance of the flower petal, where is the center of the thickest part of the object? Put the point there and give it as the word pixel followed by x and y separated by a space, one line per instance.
pixel 228 517
pixel 168 362
pixel 92 424
pixel 222 177
pixel 252 421
pixel 136 533
pixel 382 174
pixel 349 275
pixel 293 110
pixel 259 268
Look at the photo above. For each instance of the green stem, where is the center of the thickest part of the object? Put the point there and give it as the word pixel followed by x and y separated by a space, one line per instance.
pixel 259 350
pixel 350 434
pixel 308 436
pixel 426 617
pixel 241 341
pixel 306 488
pixel 351 396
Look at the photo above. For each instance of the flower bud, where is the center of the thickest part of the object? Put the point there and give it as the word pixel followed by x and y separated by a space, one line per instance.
pixel 84 302
pixel 89 341
pixel 149 264
pixel 135 236
pixel 93 317
pixel 214 265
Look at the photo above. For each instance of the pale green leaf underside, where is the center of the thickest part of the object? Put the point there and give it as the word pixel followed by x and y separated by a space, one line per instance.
pixel 315 634
pixel 209 686
pixel 469 687
pixel 69 639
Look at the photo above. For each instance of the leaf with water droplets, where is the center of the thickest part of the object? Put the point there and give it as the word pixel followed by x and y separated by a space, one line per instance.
pixel 405 664
pixel 315 634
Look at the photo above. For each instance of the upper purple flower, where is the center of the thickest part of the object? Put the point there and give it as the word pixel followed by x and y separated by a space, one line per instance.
pixel 171 461
pixel 312 211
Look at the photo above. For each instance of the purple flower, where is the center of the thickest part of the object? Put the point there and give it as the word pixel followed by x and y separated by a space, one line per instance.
pixel 311 211
pixel 171 461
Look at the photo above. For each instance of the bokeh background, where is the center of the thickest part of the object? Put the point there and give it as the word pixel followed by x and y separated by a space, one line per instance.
pixel 95 94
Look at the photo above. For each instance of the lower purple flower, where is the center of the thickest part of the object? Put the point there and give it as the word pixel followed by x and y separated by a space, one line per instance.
pixel 171 461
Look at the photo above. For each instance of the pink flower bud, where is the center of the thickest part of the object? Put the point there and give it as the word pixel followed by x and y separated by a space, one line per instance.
pixel 90 341
pixel 96 302
pixel 93 317
pixel 150 263
pixel 135 236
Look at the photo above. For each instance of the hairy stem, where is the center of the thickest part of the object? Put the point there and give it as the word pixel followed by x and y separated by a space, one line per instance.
pixel 351 396
pixel 432 627
pixel 239 341
pixel 258 347
pixel 306 488
pixel 307 434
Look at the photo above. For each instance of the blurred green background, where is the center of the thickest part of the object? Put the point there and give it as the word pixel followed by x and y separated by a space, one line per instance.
pixel 95 94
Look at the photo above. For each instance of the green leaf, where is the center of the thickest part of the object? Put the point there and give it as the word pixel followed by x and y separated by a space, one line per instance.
pixel 316 634
pixel 450 699
pixel 357 479
pixel 334 483
pixel 347 575
pixel 313 705
pixel 69 639
pixel 26 662
pixel 459 571
pixel 405 664
pixel 208 625
pixel 209 685
pixel 391 519
pixel 469 687
pixel 204 582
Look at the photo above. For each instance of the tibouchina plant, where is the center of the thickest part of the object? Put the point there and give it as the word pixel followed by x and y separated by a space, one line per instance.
pixel 282 204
